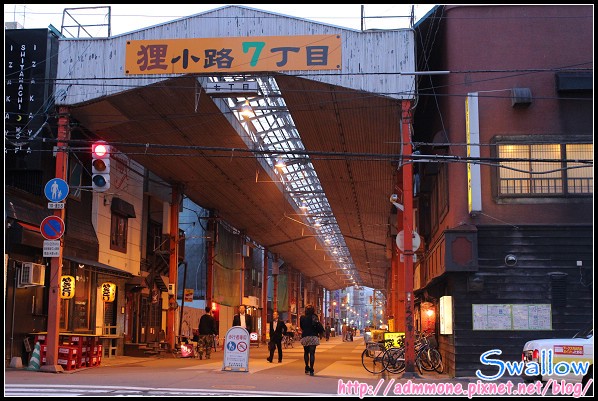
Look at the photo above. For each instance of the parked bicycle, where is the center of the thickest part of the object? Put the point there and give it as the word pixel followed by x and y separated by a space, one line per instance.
pixel 428 358
pixel 385 356
pixel 288 340
pixel 375 358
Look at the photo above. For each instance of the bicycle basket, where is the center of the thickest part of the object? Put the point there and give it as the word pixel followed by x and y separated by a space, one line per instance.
pixel 372 347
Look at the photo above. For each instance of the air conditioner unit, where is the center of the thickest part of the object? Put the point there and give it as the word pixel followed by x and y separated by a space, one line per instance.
pixel 31 274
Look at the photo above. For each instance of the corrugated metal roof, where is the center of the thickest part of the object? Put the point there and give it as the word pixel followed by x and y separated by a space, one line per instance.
pixel 347 125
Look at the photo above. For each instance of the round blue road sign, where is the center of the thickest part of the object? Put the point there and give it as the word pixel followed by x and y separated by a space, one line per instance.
pixel 52 227
pixel 56 190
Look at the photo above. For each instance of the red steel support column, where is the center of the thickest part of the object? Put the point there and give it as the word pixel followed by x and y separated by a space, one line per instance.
pixel 408 240
pixel 265 296
pixel 174 264
pixel 64 134
pixel 275 286
pixel 211 246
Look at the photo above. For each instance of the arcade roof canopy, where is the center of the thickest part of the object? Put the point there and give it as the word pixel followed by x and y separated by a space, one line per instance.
pixel 337 127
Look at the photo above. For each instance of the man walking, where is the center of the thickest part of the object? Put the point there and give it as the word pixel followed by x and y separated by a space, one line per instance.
pixel 207 329
pixel 277 330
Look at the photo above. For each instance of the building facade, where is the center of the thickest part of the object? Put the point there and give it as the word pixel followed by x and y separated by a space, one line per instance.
pixel 504 188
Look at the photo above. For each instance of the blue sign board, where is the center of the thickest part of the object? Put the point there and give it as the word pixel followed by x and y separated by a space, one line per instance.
pixel 56 190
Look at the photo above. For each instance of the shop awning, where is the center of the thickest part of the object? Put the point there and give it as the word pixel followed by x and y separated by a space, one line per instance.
pixel 26 234
pixel 101 267
pixel 122 207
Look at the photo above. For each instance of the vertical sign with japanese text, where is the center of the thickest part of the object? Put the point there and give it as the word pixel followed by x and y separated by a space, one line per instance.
pixel 27 60
pixel 260 53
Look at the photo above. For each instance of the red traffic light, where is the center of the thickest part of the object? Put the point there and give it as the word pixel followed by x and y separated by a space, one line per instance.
pixel 100 166
pixel 99 149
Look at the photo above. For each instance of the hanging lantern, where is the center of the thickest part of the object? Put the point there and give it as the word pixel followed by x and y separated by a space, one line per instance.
pixel 67 287
pixel 108 292
pixel 428 316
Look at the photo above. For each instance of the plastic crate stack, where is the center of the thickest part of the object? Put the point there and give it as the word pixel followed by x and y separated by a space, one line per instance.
pixel 41 338
pixel 42 353
pixel 75 351
pixel 95 354
pixel 80 343
pixel 68 357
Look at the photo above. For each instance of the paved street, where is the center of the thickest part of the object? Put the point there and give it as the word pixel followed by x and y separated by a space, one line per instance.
pixel 336 362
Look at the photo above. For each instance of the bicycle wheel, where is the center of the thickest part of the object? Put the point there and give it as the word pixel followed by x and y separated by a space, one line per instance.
pixel 394 358
pixel 373 361
pixel 436 360
pixel 423 360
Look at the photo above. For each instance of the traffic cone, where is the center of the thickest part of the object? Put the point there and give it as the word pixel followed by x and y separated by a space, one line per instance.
pixel 34 361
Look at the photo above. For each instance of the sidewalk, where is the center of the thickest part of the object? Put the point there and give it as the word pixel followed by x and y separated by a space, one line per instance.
pixel 337 364
pixel 334 358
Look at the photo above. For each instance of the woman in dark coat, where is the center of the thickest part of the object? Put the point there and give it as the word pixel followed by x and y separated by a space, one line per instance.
pixel 311 329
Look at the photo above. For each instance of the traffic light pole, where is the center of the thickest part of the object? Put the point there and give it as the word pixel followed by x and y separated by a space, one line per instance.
pixel 53 324
pixel 408 240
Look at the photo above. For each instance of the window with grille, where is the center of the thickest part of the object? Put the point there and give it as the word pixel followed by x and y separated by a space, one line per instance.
pixel 547 169
pixel 118 232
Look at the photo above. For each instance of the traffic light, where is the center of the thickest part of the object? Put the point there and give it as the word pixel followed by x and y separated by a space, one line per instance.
pixel 100 166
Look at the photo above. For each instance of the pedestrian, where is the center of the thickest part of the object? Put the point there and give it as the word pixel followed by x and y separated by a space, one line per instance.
pixel 206 330
pixel 311 329
pixel 328 331
pixel 277 330
pixel 243 320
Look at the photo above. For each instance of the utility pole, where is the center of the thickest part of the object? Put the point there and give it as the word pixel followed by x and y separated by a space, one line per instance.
pixel 408 240
pixel 53 324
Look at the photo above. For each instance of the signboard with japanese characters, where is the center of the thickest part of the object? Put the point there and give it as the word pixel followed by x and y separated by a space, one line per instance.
pixel 51 248
pixel 29 54
pixel 236 350
pixel 241 54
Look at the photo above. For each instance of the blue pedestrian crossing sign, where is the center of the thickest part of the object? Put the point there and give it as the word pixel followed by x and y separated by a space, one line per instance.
pixel 56 190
